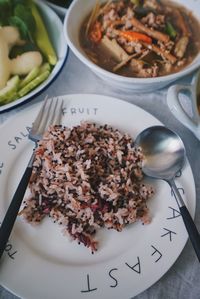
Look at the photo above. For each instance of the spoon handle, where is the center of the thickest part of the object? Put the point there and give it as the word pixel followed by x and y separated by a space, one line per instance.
pixel 187 219
pixel 192 230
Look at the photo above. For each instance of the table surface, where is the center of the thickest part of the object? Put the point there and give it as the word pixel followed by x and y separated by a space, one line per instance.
pixel 183 279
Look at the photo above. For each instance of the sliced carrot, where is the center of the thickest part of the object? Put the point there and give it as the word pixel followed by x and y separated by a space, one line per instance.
pixel 135 36
pixel 95 34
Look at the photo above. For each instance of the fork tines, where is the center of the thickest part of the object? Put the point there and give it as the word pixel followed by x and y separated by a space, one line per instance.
pixel 50 114
pixel 53 112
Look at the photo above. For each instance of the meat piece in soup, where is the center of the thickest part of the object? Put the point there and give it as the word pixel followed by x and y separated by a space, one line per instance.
pixel 136 38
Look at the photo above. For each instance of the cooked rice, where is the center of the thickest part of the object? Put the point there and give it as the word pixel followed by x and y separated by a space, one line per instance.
pixel 85 178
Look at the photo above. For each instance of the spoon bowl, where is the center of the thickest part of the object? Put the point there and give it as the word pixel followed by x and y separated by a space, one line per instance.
pixel 164 156
pixel 164 152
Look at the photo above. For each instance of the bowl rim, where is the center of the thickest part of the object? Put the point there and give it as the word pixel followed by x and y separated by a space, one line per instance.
pixel 195 64
pixel 53 75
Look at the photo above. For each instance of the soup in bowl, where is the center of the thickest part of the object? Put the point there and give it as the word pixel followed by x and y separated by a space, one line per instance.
pixel 136 45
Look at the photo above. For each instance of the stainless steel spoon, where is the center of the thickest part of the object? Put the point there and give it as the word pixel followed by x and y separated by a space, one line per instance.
pixel 164 156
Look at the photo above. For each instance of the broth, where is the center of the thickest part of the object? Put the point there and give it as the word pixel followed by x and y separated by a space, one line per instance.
pixel 151 40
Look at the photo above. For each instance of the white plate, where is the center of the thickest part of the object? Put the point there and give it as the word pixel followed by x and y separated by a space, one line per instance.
pixel 55 30
pixel 40 262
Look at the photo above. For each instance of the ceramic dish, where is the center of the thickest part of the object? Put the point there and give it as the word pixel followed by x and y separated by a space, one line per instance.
pixel 187 112
pixel 55 29
pixel 73 20
pixel 40 262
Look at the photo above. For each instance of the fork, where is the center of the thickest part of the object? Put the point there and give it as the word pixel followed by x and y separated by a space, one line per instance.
pixel 49 114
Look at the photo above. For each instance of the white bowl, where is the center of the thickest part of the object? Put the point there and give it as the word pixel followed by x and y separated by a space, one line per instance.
pixel 77 12
pixel 186 112
pixel 55 30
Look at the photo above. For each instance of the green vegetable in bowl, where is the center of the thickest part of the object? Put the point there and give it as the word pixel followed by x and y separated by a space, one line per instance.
pixel 136 2
pixel 41 36
pixel 27 56
pixel 33 73
pixel 170 30
pixel 18 14
pixel 20 65
pixel 16 88
pixel 9 90
pixel 24 20
pixel 32 84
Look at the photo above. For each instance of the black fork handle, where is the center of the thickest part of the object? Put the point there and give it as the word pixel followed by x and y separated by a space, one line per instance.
pixel 187 219
pixel 12 212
